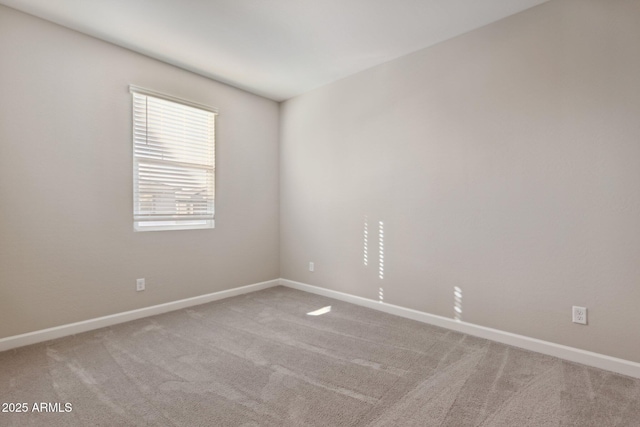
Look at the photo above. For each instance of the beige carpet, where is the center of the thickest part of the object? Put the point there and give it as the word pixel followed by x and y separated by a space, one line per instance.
pixel 260 360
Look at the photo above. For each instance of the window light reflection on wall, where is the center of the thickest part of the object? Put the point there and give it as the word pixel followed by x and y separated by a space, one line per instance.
pixel 365 244
pixel 457 303
pixel 381 250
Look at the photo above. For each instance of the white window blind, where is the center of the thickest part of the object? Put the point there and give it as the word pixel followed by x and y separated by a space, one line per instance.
pixel 174 163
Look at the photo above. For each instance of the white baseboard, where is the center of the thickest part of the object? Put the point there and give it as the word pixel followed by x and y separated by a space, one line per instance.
pixel 621 366
pixel 16 341
pixel 572 354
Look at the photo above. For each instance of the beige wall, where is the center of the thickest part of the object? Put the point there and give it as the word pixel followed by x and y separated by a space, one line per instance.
pixel 67 247
pixel 505 162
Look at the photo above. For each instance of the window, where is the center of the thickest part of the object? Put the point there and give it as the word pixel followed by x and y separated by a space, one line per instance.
pixel 173 163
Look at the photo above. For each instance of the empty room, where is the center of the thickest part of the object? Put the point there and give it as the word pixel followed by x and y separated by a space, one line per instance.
pixel 331 213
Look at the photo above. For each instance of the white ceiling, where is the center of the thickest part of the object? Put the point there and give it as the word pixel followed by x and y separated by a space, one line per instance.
pixel 274 48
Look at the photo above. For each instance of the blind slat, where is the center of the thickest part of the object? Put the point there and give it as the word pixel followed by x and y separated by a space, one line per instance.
pixel 169 217
pixel 160 149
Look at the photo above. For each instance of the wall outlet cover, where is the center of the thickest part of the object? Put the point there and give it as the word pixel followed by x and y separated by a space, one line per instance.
pixel 579 315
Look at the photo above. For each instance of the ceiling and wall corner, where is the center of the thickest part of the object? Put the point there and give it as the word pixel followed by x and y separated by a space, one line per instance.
pixel 277 49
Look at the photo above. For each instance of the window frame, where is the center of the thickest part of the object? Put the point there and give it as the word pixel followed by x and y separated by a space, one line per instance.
pixel 178 222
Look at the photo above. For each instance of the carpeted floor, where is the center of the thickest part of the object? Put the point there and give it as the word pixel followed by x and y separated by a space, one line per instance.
pixel 260 360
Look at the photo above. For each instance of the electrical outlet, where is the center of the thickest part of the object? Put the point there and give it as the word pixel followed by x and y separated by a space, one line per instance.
pixel 579 315
pixel 311 266
pixel 140 285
